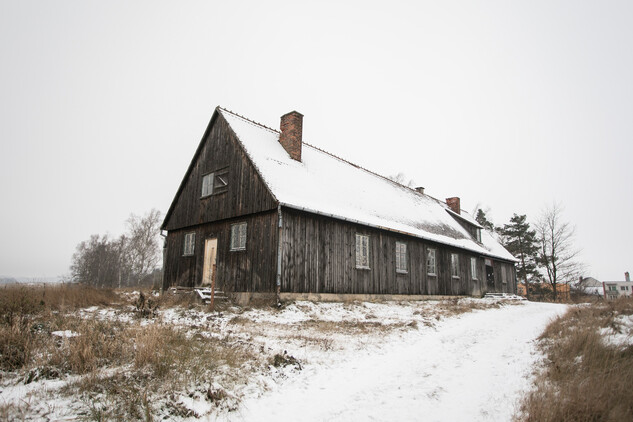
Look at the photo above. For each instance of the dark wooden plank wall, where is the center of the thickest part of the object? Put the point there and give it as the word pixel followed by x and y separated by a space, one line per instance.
pixel 319 257
pixel 510 285
pixel 251 270
pixel 246 194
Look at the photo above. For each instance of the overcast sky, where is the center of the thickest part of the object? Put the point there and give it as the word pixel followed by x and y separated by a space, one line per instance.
pixel 509 105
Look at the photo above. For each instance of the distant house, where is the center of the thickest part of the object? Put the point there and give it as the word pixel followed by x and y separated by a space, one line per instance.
pixel 264 212
pixel 589 286
pixel 615 289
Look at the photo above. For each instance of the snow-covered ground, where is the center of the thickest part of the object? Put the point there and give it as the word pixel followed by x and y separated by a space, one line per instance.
pixel 455 360
pixel 473 367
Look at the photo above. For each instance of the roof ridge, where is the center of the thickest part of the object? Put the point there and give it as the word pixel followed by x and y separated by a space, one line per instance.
pixel 246 119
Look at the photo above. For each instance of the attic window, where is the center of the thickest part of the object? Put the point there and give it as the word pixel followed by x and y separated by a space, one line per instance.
pixel 362 251
pixel 478 235
pixel 238 237
pixel 215 182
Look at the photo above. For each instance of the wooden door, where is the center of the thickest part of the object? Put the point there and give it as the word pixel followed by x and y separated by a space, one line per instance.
pixel 210 254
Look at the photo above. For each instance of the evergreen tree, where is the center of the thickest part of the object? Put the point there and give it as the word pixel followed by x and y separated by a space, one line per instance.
pixel 523 243
pixel 485 223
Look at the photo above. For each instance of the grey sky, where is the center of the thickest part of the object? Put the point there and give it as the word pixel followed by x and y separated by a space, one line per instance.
pixel 512 105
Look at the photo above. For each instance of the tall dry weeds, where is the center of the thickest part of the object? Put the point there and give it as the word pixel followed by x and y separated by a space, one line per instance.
pixel 584 379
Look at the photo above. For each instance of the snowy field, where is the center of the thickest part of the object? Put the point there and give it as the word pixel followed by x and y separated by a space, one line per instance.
pixel 472 367
pixel 454 360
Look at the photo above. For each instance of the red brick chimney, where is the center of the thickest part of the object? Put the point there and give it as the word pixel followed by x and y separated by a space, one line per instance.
pixel 291 134
pixel 453 204
pixel 627 277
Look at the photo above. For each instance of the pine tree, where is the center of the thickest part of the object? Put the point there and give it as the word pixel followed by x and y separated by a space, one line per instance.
pixel 522 242
pixel 485 223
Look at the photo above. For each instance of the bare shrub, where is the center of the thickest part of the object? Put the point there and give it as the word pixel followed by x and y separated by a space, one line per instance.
pixel 584 379
pixel 284 359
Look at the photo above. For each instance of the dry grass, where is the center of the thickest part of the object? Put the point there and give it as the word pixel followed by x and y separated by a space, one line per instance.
pixel 31 299
pixel 584 379
pixel 457 306
pixel 165 360
pixel 29 314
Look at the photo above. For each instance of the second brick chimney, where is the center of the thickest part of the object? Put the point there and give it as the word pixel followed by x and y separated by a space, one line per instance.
pixel 454 205
pixel 291 134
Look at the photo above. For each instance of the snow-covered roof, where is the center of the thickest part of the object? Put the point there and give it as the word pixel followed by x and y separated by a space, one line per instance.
pixel 324 184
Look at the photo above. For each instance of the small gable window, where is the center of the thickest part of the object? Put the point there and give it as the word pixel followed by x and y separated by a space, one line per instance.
pixel 207 184
pixel 473 267
pixel 401 257
pixel 216 182
pixel 430 262
pixel 362 251
pixel 190 243
pixel 238 237
pixel 454 265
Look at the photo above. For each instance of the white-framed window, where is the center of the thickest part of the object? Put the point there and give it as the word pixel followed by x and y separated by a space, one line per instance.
pixel 238 237
pixel 190 244
pixel 454 265
pixel 362 251
pixel 473 267
pixel 216 182
pixel 612 287
pixel 504 280
pixel 623 287
pixel 401 257
pixel 430 262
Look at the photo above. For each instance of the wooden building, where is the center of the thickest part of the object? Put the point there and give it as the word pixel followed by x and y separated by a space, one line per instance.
pixel 269 213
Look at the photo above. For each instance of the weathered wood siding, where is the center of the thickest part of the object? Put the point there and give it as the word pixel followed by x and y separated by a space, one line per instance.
pixel 507 286
pixel 251 270
pixel 246 193
pixel 318 256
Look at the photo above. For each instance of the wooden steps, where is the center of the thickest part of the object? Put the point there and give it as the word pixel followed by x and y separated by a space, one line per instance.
pixel 205 294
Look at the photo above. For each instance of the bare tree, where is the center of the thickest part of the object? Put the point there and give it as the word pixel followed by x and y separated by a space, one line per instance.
pixel 95 262
pixel 557 255
pixel 128 260
pixel 143 244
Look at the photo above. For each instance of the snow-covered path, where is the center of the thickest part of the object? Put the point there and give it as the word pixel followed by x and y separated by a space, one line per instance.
pixel 469 368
